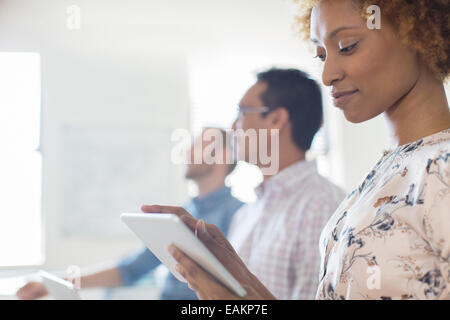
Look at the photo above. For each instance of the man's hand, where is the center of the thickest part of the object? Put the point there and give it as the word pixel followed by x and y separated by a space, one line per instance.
pixel 205 285
pixel 32 290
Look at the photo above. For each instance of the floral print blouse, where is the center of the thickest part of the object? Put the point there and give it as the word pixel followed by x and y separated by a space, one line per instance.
pixel 390 238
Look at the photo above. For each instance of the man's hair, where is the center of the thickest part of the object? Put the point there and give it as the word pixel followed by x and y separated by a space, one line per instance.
pixel 227 145
pixel 300 95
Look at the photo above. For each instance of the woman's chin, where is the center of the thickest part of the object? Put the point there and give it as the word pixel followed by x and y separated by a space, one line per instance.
pixel 355 116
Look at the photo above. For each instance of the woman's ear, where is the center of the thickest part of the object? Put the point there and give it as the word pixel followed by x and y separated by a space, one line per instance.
pixel 279 118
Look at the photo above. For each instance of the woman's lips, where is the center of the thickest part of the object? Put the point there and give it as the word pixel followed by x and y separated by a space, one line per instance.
pixel 341 98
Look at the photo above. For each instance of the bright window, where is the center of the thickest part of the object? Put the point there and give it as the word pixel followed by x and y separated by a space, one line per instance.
pixel 20 160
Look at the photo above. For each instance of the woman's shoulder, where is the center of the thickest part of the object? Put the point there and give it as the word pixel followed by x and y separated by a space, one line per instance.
pixel 425 157
pixel 432 146
pixel 429 171
pixel 432 157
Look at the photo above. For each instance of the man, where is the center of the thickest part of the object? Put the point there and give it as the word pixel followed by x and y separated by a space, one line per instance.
pixel 211 191
pixel 277 237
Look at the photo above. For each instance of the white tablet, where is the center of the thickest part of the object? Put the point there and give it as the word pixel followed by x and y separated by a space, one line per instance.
pixel 58 288
pixel 159 231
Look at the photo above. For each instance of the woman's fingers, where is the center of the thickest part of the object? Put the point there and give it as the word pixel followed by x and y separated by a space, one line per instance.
pixel 210 234
pixel 185 216
pixel 206 232
pixel 199 280
pixel 190 222
pixel 218 236
pixel 215 240
pixel 179 211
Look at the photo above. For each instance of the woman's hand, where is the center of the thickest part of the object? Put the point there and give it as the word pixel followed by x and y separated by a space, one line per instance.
pixel 199 280
pixel 205 286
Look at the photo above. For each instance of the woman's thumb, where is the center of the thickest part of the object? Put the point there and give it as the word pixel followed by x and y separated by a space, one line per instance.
pixel 201 231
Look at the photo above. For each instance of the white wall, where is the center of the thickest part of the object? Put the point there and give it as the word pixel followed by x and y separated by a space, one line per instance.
pixel 103 91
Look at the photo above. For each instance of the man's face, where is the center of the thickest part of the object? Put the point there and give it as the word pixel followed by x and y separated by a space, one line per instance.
pixel 194 170
pixel 251 121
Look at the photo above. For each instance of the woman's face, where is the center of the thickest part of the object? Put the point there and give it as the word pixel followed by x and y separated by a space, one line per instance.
pixel 369 70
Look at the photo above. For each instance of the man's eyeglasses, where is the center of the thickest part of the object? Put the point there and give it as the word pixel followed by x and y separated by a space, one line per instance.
pixel 244 109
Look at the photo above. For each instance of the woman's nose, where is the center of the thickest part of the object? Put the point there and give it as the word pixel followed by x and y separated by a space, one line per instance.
pixel 331 72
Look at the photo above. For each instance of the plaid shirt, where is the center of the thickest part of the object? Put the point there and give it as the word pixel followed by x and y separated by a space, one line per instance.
pixel 277 237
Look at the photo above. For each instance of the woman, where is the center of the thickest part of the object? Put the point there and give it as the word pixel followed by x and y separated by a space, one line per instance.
pixel 390 238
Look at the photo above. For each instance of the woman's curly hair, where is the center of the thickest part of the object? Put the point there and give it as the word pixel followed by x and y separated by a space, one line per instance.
pixel 423 25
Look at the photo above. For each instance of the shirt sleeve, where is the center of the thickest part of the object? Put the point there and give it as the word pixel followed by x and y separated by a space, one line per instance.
pixel 135 266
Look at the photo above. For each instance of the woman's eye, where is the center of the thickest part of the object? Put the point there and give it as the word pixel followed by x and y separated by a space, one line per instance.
pixel 348 49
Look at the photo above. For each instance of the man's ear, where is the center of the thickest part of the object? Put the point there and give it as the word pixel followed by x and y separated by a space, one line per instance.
pixel 279 118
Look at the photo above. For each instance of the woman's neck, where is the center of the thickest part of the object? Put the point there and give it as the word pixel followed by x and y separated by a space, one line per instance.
pixel 421 112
